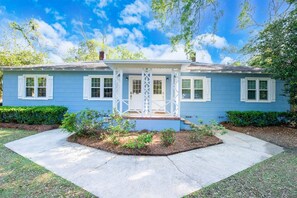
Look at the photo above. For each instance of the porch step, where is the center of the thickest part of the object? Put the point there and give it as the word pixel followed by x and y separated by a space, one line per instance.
pixel 187 124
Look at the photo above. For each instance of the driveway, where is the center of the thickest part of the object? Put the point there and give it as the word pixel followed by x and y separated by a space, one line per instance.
pixel 109 175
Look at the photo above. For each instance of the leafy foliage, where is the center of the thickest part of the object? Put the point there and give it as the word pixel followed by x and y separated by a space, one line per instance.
pixel 275 49
pixel 117 124
pixel 261 119
pixel 167 137
pixel 88 51
pixel 202 130
pixel 84 123
pixel 140 142
pixel 32 115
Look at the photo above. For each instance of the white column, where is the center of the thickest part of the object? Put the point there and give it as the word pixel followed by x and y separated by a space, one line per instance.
pixel 146 88
pixel 117 90
pixel 175 93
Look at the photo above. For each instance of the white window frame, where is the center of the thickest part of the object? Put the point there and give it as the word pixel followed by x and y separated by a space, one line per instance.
pixel 258 89
pixel 192 88
pixel 102 77
pixel 35 97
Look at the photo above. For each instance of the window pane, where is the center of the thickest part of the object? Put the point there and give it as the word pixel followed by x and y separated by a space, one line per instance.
pixel 251 84
pixel 157 87
pixel 107 92
pixel 263 84
pixel 186 94
pixel 95 82
pixel 198 84
pixel 29 92
pixel 30 82
pixel 41 92
pixel 263 95
pixel 107 82
pixel 136 87
pixel 95 93
pixel 198 94
pixel 186 83
pixel 251 95
pixel 42 82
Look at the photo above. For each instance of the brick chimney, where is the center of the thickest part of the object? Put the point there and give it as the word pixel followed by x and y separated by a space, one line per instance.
pixel 101 55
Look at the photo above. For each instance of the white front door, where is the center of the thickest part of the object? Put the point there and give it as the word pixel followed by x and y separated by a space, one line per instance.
pixel 135 93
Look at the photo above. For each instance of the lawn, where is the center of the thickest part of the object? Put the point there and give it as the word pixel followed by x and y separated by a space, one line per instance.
pixel 19 177
pixel 274 177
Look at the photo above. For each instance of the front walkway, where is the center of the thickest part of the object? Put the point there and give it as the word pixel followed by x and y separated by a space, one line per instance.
pixel 109 175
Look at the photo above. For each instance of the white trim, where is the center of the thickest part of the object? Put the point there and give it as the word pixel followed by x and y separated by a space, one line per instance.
pixel 269 89
pixel 35 77
pixel 192 78
pixel 89 92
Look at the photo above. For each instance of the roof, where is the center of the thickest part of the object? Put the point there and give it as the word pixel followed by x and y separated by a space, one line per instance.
pixel 107 65
pixel 220 68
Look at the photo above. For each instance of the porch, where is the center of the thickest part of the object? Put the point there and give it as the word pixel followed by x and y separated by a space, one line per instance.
pixel 146 90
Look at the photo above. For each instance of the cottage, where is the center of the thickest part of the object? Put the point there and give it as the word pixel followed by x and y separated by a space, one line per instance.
pixel 156 93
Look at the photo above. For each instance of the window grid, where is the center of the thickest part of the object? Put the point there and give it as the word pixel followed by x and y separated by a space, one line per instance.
pixel 101 87
pixel 192 89
pixel 257 89
pixel 157 87
pixel 35 86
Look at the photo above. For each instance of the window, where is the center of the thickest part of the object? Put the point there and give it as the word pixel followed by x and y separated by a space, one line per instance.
pixel 198 89
pixel 35 86
pixel 195 89
pixel 136 86
pixel 257 90
pixel 107 88
pixel 95 88
pixel 98 87
pixel 157 87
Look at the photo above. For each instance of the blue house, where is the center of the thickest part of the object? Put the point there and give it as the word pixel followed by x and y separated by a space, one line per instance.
pixel 157 94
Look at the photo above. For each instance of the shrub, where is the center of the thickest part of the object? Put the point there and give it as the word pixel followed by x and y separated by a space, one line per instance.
pixel 167 137
pixel 32 114
pixel 202 130
pixel 86 122
pixel 117 124
pixel 260 119
pixel 140 142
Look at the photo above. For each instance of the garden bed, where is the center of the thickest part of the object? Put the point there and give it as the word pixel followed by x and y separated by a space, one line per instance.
pixel 281 135
pixel 155 148
pixel 38 128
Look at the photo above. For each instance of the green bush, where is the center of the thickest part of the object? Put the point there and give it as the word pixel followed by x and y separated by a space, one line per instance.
pixel 260 119
pixel 202 130
pixel 32 114
pixel 140 142
pixel 167 137
pixel 117 124
pixel 84 123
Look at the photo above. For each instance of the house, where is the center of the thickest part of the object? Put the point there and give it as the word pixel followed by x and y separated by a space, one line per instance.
pixel 156 93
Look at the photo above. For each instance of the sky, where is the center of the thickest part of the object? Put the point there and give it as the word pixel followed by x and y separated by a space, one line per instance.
pixel 129 23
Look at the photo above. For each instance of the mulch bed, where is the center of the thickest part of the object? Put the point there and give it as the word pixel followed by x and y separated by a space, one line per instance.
pixel 155 148
pixel 281 135
pixel 38 128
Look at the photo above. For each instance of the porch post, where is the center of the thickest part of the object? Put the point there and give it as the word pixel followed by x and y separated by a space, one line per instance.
pixel 146 88
pixel 117 90
pixel 175 93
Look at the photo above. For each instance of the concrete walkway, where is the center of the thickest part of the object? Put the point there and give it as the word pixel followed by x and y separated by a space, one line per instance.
pixel 109 175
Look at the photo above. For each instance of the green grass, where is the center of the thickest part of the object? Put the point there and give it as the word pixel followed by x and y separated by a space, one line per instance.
pixel 275 177
pixel 19 177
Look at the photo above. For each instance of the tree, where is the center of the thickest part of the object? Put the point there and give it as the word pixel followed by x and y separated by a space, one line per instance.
pixel 88 50
pixel 275 49
pixel 186 18
pixel 18 46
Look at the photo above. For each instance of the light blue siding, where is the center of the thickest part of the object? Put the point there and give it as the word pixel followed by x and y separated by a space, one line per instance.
pixel 157 125
pixel 68 91
pixel 225 96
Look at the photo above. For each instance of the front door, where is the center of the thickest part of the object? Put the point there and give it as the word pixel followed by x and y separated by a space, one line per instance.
pixel 135 93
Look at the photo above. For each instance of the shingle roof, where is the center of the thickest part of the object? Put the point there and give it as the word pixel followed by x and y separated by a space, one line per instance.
pixel 80 66
pixel 202 67
pixel 106 65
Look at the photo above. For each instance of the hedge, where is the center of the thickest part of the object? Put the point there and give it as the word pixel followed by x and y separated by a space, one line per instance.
pixel 260 119
pixel 38 115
